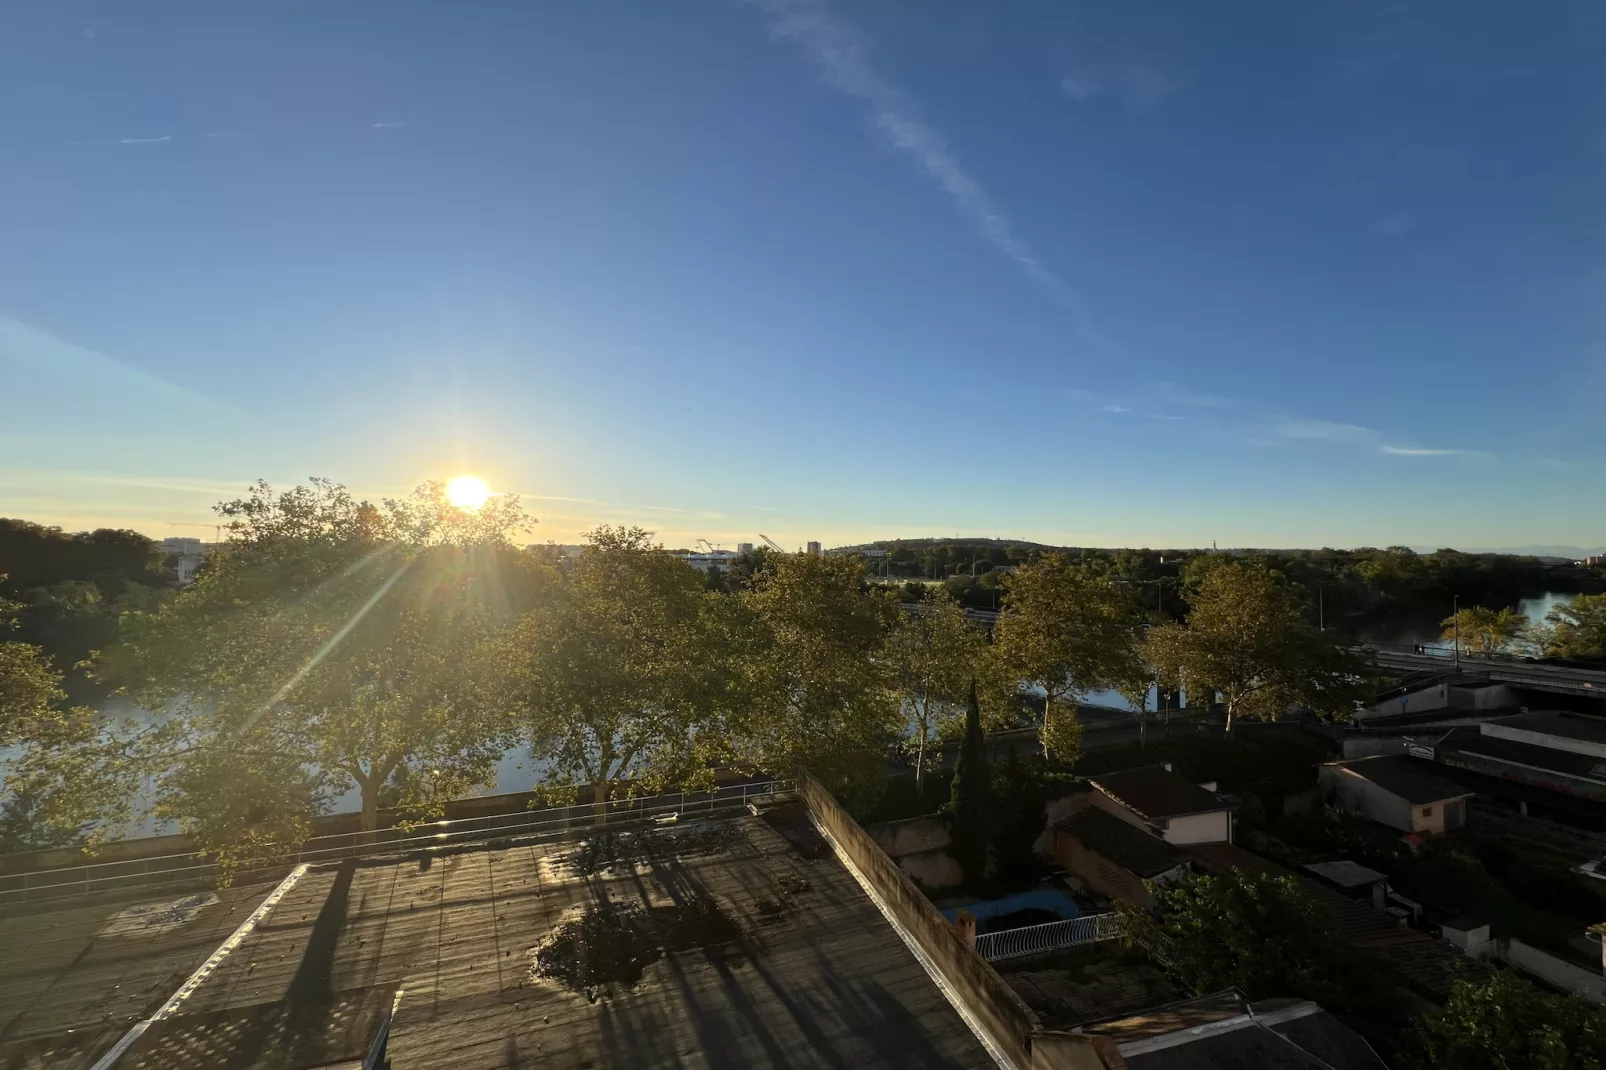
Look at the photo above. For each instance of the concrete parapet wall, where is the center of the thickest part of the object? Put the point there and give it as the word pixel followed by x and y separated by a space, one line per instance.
pixel 984 994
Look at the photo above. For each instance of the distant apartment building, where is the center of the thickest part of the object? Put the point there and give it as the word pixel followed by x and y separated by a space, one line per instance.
pixel 189 555
pixel 814 547
pixel 744 547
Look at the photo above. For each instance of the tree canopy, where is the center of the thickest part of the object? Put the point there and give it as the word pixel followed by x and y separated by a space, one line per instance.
pixel 318 652
pixel 1067 631
pixel 936 654
pixel 1480 630
pixel 1578 627
pixel 1507 1022
pixel 1247 637
pixel 813 686
pixel 611 672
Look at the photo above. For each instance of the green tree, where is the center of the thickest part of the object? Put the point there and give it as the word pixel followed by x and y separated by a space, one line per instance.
pixel 30 689
pixel 936 653
pixel 1251 931
pixel 810 680
pixel 1506 1023
pixel 607 670
pixel 1066 631
pixel 968 799
pixel 1579 627
pixel 322 649
pixel 1247 638
pixel 1484 631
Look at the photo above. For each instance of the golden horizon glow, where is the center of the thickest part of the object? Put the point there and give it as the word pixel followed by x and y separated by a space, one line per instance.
pixel 468 492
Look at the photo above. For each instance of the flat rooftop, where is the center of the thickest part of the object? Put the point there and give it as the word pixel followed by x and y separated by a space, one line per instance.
pixel 764 952
pixel 1579 727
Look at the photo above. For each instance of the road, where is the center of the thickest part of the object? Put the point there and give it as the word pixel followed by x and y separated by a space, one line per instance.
pixel 1564 679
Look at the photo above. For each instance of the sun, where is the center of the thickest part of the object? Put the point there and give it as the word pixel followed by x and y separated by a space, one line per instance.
pixel 467 492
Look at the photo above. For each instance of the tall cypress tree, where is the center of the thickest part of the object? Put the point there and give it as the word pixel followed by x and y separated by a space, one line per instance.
pixel 968 802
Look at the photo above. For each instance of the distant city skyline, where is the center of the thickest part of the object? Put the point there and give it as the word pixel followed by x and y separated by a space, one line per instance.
pixel 1114 275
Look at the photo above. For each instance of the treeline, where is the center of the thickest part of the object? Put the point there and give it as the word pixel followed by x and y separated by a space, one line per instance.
pixel 1355 591
pixel 401 648
pixel 67 591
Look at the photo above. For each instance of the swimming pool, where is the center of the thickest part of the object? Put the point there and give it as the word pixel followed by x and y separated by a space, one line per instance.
pixel 1050 899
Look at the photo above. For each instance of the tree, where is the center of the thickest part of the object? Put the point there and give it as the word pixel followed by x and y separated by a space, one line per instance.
pixel 1067 632
pixel 811 685
pixel 322 649
pixel 1484 631
pixel 1251 931
pixel 1247 638
pixel 968 799
pixel 935 653
pixel 607 670
pixel 1579 627
pixel 30 688
pixel 1506 1022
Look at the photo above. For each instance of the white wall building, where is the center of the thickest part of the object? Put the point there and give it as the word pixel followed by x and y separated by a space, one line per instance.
pixel 1171 806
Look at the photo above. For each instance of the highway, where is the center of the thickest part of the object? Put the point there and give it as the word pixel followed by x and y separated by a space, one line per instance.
pixel 1564 679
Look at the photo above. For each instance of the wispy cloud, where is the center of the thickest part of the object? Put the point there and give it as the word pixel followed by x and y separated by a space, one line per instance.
pixel 1176 394
pixel 1416 451
pixel 1145 405
pixel 1138 84
pixel 145 140
pixel 558 498
pixel 1368 438
pixel 841 55
pixel 1325 431
pixel 386 126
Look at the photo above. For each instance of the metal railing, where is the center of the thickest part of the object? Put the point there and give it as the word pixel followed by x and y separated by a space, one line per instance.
pixel 165 871
pixel 1050 936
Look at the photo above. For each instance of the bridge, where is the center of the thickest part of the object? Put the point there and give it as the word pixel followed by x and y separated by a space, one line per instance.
pixel 989 617
pixel 1542 675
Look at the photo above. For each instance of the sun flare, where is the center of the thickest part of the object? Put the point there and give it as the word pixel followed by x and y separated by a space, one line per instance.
pixel 467 492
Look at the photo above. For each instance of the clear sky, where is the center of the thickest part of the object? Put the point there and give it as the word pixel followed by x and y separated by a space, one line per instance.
pixel 1097 273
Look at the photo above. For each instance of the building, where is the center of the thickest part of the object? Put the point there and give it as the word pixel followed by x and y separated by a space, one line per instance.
pixel 188 554
pixel 813 547
pixel 744 547
pixel 1465 695
pixel 705 563
pixel 1554 750
pixel 1171 806
pixel 1114 857
pixel 1225 1030
pixel 1397 791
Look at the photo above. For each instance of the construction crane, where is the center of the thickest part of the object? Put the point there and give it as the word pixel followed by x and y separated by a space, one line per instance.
pixel 773 544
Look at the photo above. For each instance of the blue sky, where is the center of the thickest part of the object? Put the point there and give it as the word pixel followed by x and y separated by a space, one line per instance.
pixel 1097 273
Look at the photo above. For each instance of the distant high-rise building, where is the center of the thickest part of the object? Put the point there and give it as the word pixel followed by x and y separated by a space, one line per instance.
pixel 814 547
pixel 744 547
